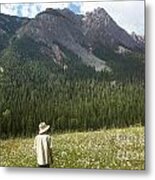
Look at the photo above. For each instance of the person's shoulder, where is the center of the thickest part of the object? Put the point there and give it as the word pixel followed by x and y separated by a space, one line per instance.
pixel 47 135
pixel 43 135
pixel 36 136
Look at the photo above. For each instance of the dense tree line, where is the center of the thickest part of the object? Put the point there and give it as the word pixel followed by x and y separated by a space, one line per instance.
pixel 35 89
pixel 126 66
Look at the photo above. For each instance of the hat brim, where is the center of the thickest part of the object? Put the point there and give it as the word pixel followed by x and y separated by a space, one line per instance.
pixel 44 130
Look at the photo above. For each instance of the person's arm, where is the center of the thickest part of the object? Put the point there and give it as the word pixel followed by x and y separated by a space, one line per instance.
pixel 35 144
pixel 51 155
pixel 51 149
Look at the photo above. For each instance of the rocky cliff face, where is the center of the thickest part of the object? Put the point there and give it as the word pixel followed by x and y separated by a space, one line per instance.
pixel 101 29
pixel 55 28
pixel 138 39
pixel 8 26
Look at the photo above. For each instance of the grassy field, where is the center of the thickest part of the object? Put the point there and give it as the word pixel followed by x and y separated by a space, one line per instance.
pixel 104 149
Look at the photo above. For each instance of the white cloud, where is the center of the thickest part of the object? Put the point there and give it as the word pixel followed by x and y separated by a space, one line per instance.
pixel 53 5
pixel 8 9
pixel 29 9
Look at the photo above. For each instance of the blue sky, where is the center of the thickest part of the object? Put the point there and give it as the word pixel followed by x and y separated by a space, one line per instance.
pixel 74 7
pixel 128 14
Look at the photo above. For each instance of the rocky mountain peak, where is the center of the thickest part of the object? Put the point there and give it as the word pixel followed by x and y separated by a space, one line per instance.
pixel 100 13
pixel 53 29
pixel 100 28
pixel 99 17
pixel 139 39
pixel 62 13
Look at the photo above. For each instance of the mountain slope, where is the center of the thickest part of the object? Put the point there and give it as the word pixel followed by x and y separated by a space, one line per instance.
pixel 94 39
pixel 100 28
pixel 8 27
pixel 52 28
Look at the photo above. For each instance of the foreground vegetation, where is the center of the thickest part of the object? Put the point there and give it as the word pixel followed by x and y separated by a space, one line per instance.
pixel 104 149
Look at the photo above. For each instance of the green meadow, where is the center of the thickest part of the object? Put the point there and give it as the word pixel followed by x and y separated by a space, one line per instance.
pixel 103 149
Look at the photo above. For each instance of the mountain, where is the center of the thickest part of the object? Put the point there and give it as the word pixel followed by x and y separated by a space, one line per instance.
pixel 101 29
pixel 75 72
pixel 139 39
pixel 55 28
pixel 8 27
pixel 92 39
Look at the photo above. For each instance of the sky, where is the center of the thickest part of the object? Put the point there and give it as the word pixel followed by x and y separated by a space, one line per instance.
pixel 127 14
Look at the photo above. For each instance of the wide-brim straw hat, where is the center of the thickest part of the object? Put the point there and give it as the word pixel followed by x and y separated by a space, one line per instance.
pixel 43 127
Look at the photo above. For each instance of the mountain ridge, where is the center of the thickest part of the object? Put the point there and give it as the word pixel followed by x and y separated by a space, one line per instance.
pixel 83 35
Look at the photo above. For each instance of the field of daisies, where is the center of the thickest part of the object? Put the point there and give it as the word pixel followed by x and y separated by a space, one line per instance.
pixel 104 149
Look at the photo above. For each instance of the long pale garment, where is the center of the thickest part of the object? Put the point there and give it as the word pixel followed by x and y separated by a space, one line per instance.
pixel 43 146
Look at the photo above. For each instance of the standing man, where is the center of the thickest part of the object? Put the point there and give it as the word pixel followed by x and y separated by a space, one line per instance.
pixel 43 146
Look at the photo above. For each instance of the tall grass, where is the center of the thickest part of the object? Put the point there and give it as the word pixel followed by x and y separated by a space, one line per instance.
pixel 105 149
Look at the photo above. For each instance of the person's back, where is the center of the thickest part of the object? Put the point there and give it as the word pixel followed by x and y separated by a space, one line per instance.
pixel 43 147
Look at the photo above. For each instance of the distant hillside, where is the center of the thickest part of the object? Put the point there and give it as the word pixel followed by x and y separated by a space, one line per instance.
pixel 93 38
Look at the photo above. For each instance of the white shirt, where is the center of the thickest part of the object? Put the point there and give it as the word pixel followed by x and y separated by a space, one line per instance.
pixel 43 145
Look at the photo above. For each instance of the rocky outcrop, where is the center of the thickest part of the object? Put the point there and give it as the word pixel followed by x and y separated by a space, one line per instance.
pixel 139 39
pixel 61 27
pixel 77 33
pixel 99 27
